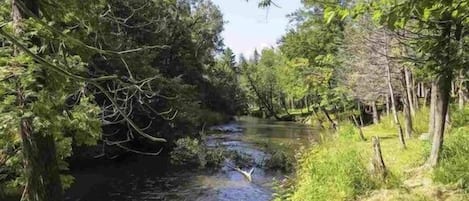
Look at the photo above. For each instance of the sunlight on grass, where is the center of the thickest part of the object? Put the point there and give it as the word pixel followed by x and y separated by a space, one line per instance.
pixel 340 167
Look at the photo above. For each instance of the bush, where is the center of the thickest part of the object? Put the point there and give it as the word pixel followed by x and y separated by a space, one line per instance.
pixel 187 151
pixel 331 172
pixel 454 164
pixel 192 152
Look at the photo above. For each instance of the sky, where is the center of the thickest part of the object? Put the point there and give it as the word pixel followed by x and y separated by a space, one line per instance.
pixel 249 27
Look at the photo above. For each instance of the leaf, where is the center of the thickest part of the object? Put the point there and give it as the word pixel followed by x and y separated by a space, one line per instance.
pixel 377 16
pixel 455 13
pixel 426 14
pixel 329 15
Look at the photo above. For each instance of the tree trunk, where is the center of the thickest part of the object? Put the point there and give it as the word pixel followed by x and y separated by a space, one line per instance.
pixel 431 120
pixel 292 103
pixel 361 113
pixel 444 81
pixel 461 88
pixel 441 109
pixel 334 124
pixel 409 90
pixel 461 91
pixel 394 110
pixel 39 152
pixel 415 93
pixel 426 92
pixel 375 113
pixel 407 101
pixel 388 109
pixel 360 131
pixel 407 118
pixel 307 104
pixel 40 165
pixel 393 102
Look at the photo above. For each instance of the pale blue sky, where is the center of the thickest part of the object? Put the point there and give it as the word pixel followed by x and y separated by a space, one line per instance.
pixel 249 27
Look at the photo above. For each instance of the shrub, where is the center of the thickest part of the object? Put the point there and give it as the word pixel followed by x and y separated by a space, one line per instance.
pixel 190 151
pixel 187 151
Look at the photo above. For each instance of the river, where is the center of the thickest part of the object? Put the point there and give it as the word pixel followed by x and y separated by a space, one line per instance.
pixel 142 178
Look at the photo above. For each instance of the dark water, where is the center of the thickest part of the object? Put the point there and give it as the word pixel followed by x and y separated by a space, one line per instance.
pixel 151 178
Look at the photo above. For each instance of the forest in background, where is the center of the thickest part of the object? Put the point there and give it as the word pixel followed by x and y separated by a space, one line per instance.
pixel 138 75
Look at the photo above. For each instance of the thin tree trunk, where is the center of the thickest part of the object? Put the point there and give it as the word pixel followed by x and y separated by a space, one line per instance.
pixel 391 93
pixel 361 113
pixel 334 125
pixel 425 95
pixel 409 90
pixel 461 90
pixel 388 109
pixel 431 120
pixel 292 103
pixel 360 131
pixel 461 93
pixel 375 113
pixel 39 152
pixel 407 101
pixel 415 93
pixel 407 118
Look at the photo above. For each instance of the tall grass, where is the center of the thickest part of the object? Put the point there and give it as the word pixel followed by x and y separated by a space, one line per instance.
pixel 332 172
pixel 338 169
pixel 454 164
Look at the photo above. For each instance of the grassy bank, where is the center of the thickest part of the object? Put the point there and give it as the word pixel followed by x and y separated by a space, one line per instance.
pixel 340 167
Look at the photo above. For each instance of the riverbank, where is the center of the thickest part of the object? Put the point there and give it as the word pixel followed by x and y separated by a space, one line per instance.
pixel 340 167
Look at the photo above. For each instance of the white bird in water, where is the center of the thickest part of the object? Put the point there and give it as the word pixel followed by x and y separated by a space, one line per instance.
pixel 247 175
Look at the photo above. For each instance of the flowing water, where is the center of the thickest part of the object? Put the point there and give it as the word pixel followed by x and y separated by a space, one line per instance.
pixel 151 178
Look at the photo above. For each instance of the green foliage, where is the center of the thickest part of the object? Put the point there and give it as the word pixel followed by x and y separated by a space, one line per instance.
pixel 454 159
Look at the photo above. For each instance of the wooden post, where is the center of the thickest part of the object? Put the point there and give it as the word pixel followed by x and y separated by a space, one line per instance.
pixel 379 168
